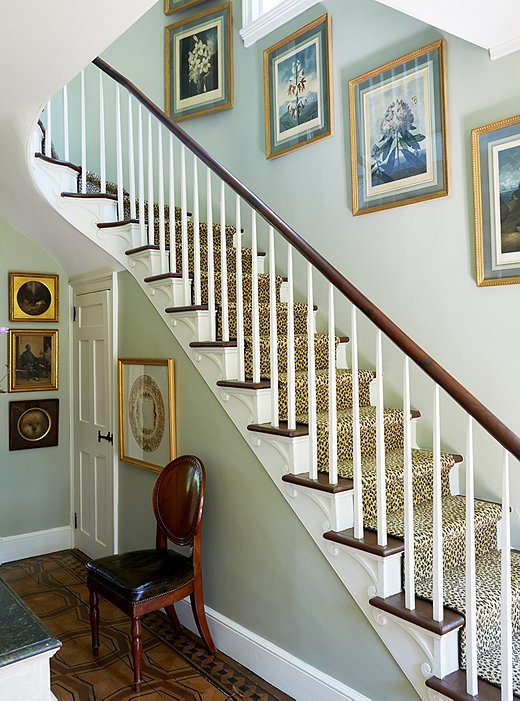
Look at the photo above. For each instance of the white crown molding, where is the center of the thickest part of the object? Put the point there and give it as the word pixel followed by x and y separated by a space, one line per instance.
pixel 260 27
pixel 277 666
pixel 504 49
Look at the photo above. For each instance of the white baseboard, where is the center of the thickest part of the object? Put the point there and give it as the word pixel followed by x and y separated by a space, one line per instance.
pixel 278 667
pixel 17 547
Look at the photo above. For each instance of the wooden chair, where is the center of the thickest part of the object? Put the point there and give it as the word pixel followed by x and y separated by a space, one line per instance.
pixel 146 580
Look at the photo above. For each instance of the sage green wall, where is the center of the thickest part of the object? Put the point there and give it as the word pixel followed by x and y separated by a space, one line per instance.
pixel 34 484
pixel 261 569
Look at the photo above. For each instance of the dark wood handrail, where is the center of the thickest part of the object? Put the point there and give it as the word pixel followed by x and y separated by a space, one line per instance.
pixel 500 432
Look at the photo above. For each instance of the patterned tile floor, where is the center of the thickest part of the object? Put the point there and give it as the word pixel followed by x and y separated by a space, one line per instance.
pixel 174 667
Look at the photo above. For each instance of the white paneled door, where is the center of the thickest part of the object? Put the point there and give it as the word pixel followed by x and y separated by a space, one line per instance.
pixel 94 474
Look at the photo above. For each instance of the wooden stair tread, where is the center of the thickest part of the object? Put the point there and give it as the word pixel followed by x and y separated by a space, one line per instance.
pixel 58 162
pixel 248 384
pixel 421 616
pixel 322 484
pixel 454 687
pixel 368 543
pixel 213 344
pixel 281 430
pixel 163 276
pixel 114 224
pixel 90 196
pixel 190 308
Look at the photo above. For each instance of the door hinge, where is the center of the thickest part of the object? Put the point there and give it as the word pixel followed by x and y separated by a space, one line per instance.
pixel 75 521
pixel 74 313
pixel 109 437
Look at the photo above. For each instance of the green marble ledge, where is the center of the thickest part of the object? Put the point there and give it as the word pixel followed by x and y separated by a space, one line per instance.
pixel 22 634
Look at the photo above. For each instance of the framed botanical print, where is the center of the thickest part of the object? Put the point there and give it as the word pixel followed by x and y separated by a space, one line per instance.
pixel 33 297
pixel 298 89
pixel 146 412
pixel 33 360
pixel 398 131
pixel 33 424
pixel 496 189
pixel 171 6
pixel 198 64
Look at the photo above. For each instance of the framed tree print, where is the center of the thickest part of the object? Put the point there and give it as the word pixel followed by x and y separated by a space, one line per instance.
pixel 298 89
pixel 398 131
pixel 198 64
pixel 496 190
pixel 146 412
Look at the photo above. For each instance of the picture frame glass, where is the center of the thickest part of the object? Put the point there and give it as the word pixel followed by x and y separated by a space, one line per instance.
pixel 198 64
pixel 146 412
pixel 496 160
pixel 33 360
pixel 297 75
pixel 397 115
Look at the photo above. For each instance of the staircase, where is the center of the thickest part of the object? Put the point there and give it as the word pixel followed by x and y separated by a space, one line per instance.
pixel 421 559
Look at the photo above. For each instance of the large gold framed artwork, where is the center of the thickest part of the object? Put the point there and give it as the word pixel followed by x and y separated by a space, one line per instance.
pixel 33 297
pixel 146 412
pixel 33 360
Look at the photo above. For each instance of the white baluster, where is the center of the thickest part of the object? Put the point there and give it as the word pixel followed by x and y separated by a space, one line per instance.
pixel 48 130
pixel 380 446
pixel 119 157
pixel 255 310
pixel 66 142
pixel 506 602
pixel 131 158
pixel 151 209
pixel 311 378
pixel 140 157
pixel 333 419
pixel 471 587
pixel 291 361
pixel 356 428
pixel 224 303
pixel 409 545
pixel 273 332
pixel 171 204
pixel 240 299
pixel 438 574
pixel 196 232
pixel 162 227
pixel 102 144
pixel 211 263
pixel 184 231
pixel 83 136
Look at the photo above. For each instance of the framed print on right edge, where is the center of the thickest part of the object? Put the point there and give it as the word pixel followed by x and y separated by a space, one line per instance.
pixel 198 64
pixel 298 89
pixel 496 189
pixel 398 131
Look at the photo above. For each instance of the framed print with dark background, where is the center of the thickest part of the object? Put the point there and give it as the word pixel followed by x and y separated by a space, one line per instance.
pixel 398 131
pixel 146 412
pixel 199 64
pixel 33 360
pixel 33 424
pixel 496 189
pixel 298 89
pixel 171 6
pixel 33 297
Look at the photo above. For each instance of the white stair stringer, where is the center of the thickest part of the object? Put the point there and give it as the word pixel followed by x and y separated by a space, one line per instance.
pixel 419 652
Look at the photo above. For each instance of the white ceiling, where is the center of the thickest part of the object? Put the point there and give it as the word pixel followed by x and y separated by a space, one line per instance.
pixel 492 24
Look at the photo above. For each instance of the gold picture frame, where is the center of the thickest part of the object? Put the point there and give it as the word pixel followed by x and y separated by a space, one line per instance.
pixel 398 131
pixel 298 89
pixel 171 6
pixel 146 412
pixel 33 297
pixel 195 83
pixel 33 360
pixel 33 424
pixel 496 195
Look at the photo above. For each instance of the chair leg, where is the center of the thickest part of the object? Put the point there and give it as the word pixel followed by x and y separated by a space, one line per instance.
pixel 174 619
pixel 197 605
pixel 136 651
pixel 94 620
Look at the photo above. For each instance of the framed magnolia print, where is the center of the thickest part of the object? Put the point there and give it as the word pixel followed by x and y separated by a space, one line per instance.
pixel 198 64
pixel 398 131
pixel 298 89
pixel 146 412
pixel 33 424
pixel 33 297
pixel 33 360
pixel 496 188
pixel 171 6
